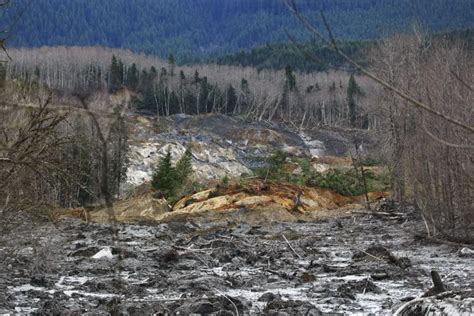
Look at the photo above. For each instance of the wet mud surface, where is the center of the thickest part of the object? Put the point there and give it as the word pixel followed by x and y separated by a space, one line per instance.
pixel 352 265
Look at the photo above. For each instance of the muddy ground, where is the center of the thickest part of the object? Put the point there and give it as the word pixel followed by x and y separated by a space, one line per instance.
pixel 351 265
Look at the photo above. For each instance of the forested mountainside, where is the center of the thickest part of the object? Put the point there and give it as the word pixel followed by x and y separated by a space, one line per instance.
pixel 307 57
pixel 311 56
pixel 194 28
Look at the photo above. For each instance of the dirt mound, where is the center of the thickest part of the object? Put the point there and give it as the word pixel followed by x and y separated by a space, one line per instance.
pixel 254 202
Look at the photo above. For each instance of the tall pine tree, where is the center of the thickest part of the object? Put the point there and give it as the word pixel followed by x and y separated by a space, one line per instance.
pixel 353 91
pixel 231 100
pixel 115 74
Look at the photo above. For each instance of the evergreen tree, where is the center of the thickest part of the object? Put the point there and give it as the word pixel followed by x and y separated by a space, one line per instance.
pixel 290 78
pixel 184 167
pixel 245 100
pixel 244 85
pixel 37 73
pixel 170 180
pixel 190 103
pixel 144 81
pixel 149 100
pixel 231 99
pixel 203 95
pixel 182 77
pixel 164 177
pixel 163 74
pixel 174 103
pixel 3 75
pixel 196 77
pixel 115 75
pixel 353 91
pixel 153 74
pixel 133 77
pixel 171 64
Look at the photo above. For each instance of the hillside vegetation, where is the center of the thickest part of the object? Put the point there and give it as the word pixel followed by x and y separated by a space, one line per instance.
pixel 311 56
pixel 160 87
pixel 196 28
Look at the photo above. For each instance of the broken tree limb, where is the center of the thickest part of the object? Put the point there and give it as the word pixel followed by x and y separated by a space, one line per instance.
pixel 291 247
pixel 402 309
pixel 438 286
pixel 378 213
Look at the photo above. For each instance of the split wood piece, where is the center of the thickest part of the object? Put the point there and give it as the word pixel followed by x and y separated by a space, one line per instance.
pixel 179 248
pixel 441 241
pixel 420 299
pixel 371 255
pixel 437 282
pixel 395 215
pixel 291 247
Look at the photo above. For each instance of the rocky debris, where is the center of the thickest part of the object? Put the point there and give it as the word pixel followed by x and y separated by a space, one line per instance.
pixel 466 253
pixel 448 303
pixel 378 252
pixel 267 297
pixel 210 161
pixel 87 252
pixel 222 145
pixel 193 267
pixel 105 253
pixel 351 288
pixel 279 307
pixel 218 305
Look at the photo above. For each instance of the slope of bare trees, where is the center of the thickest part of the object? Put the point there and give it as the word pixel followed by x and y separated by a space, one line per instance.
pixel 51 154
pixel 431 158
pixel 318 98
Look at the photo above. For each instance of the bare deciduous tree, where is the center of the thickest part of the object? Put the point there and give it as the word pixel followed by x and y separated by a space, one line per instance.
pixel 428 106
pixel 431 158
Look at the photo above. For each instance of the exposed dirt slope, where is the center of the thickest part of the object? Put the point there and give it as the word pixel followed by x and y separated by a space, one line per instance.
pixel 254 202
pixel 223 145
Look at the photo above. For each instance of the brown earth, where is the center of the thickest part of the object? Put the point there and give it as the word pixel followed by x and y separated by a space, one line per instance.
pixel 254 202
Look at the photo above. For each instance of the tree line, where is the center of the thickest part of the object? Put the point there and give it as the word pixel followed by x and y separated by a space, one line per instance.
pixel 161 87
pixel 311 56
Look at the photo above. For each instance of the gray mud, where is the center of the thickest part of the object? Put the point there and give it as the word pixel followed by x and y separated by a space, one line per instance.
pixel 353 265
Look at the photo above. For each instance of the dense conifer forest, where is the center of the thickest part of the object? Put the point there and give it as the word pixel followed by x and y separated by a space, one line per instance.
pixel 311 56
pixel 217 27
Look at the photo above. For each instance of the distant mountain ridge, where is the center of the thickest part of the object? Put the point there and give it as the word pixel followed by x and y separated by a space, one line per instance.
pixel 192 29
pixel 310 56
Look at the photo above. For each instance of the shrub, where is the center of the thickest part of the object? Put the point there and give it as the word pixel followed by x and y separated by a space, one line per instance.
pixel 225 180
pixel 275 169
pixel 347 183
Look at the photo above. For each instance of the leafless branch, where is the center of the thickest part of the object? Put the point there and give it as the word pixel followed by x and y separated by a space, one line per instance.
pixel 462 81
pixel 332 43
pixel 439 140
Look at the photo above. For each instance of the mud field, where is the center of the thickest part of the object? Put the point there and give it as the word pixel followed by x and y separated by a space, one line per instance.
pixel 351 265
